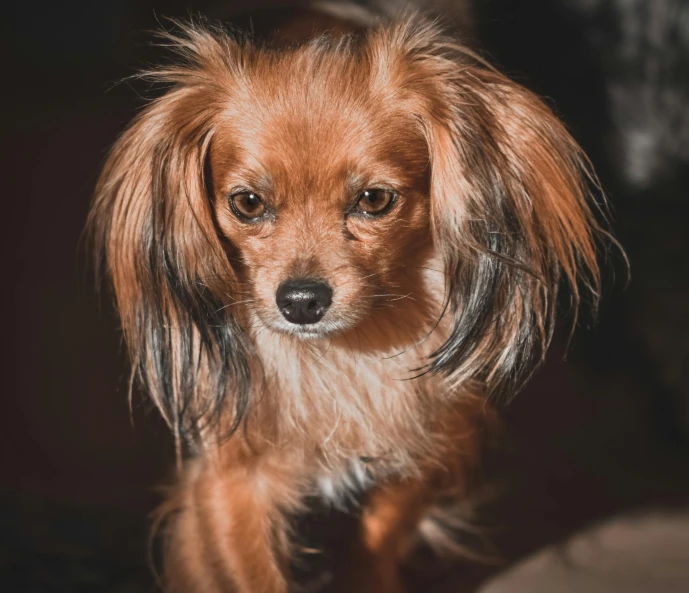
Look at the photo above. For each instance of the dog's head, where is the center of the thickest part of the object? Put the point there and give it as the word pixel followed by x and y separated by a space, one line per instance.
pixel 307 191
pixel 320 179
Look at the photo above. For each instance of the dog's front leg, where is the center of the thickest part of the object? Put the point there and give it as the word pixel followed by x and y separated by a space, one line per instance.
pixel 228 534
pixel 389 531
pixel 390 519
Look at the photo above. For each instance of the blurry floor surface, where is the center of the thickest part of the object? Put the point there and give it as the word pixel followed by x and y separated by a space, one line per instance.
pixel 643 553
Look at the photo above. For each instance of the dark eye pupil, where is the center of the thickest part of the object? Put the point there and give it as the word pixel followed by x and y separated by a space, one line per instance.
pixel 251 200
pixel 372 196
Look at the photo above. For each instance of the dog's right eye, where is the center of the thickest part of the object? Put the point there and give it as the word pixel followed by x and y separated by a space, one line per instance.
pixel 247 205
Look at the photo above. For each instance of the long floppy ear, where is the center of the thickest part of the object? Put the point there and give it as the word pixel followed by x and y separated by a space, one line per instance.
pixel 153 230
pixel 510 211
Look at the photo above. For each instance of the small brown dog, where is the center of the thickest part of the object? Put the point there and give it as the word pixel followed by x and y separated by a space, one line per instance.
pixel 325 257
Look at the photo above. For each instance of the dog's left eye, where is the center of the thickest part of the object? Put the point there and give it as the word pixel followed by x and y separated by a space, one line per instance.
pixel 247 205
pixel 375 202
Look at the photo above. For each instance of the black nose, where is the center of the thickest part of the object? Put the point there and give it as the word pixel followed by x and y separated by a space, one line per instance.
pixel 303 301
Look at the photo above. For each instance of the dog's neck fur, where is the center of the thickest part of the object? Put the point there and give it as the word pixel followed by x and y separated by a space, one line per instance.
pixel 345 397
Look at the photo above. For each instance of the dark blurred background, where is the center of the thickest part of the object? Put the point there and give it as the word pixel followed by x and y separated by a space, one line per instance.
pixel 603 432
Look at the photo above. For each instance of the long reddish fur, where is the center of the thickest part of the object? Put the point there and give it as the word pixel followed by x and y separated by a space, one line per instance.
pixel 446 303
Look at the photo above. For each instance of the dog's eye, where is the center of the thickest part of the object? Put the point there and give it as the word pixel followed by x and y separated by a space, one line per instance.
pixel 375 201
pixel 247 205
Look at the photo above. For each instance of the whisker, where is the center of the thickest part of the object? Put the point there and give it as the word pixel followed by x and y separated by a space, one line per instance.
pixel 235 304
pixel 330 343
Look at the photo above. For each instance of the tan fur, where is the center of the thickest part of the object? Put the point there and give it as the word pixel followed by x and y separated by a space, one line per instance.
pixel 462 274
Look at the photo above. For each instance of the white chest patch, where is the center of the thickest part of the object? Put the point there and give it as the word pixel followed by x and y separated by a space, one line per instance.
pixel 341 487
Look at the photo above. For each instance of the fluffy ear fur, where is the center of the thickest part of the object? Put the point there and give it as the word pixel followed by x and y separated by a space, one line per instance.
pixel 510 209
pixel 153 230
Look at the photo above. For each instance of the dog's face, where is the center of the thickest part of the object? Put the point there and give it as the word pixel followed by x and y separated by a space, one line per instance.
pixel 323 197
pixel 305 190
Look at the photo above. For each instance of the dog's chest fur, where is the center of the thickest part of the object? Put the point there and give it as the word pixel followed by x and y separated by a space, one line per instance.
pixel 337 404
pixel 343 487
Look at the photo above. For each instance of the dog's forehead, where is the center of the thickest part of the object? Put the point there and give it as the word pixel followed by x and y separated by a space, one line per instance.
pixel 315 113
pixel 318 121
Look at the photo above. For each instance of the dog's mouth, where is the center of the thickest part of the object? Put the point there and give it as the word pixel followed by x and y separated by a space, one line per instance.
pixel 324 328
